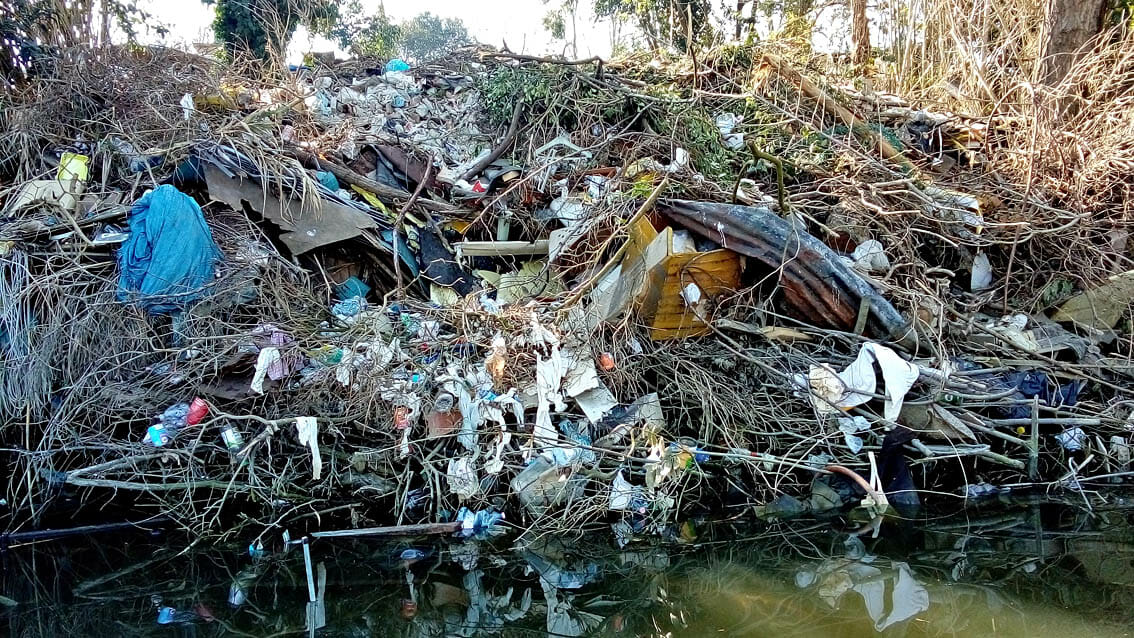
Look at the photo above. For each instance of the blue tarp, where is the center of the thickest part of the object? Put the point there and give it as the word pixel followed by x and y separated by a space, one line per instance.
pixel 168 259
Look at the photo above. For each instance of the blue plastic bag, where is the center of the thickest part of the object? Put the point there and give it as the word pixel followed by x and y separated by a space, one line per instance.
pixel 169 257
pixel 397 64
pixel 328 179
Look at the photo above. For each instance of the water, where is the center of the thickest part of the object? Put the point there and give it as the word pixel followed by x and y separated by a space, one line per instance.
pixel 1006 570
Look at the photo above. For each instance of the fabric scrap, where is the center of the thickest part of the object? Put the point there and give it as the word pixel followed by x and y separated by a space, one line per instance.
pixel 268 361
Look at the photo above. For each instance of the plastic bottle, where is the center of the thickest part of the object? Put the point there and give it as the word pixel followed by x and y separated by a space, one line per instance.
pixel 197 411
pixel 444 402
pixel 232 438
pixel 175 417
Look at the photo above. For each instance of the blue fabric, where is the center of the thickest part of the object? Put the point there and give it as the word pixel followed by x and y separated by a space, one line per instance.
pixel 397 64
pixel 1032 384
pixel 352 287
pixel 170 254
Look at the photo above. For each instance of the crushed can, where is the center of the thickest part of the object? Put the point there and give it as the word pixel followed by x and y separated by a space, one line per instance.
pixel 238 590
pixel 606 361
pixel 444 402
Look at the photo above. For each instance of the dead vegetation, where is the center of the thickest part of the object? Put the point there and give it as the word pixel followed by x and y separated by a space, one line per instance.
pixel 1032 180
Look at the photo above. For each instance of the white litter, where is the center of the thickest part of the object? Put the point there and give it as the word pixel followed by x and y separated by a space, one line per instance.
pixel 691 294
pixel 981 278
pixel 850 427
pixel 549 376
pixel 596 403
pixel 621 493
pixel 832 391
pixel 187 107
pixel 307 431
pixel 462 479
pixel 1072 439
pixel 870 257
pixel 268 357
pixel 683 242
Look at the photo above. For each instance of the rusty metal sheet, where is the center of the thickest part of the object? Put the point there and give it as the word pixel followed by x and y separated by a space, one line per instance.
pixel 819 288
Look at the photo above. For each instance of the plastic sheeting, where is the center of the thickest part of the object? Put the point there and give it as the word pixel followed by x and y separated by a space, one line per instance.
pixel 169 257
pixel 833 391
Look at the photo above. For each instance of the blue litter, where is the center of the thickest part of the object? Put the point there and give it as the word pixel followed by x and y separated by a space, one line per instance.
pixel 1035 384
pixel 171 616
pixel 349 307
pixel 397 64
pixel 409 259
pixel 328 179
pixel 480 523
pixel 412 555
pixel 353 287
pixel 157 435
pixel 169 257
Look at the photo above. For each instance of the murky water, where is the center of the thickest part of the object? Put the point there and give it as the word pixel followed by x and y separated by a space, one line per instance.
pixel 1010 570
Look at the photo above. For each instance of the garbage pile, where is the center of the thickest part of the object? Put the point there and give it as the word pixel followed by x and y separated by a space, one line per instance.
pixel 553 294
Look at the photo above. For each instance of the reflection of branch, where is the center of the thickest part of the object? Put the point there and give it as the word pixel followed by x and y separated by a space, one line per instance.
pixel 88 584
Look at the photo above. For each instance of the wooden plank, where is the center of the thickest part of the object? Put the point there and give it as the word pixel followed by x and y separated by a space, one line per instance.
pixel 501 248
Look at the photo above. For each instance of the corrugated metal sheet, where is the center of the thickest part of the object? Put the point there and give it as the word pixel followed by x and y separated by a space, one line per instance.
pixel 819 288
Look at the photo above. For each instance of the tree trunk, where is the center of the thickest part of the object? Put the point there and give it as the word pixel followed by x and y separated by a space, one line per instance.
pixel 574 31
pixel 860 33
pixel 1070 25
pixel 104 32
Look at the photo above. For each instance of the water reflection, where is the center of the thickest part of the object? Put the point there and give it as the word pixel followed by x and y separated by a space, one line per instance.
pixel 1024 570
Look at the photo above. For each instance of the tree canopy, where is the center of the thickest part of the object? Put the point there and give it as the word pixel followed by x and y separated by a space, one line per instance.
pixel 418 39
pixel 363 34
pixel 263 27
pixel 427 35
pixel 31 29
pixel 664 23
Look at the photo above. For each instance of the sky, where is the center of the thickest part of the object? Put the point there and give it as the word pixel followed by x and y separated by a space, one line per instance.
pixel 517 22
